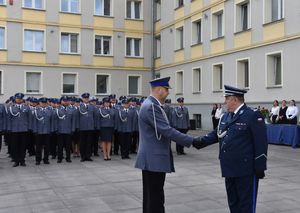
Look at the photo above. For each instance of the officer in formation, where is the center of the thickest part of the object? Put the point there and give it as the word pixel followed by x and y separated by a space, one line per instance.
pixel 242 136
pixel 59 127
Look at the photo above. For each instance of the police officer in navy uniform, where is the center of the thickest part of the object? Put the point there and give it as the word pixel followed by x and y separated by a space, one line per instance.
pixel 19 122
pixel 135 133
pixel 42 130
pixel 242 136
pixel 154 155
pixel 181 121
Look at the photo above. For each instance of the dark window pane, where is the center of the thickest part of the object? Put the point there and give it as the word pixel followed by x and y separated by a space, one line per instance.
pixel 137 47
pixel 74 43
pixel 133 84
pixel 137 10
pixel 107 7
pixel 106 45
pixel 128 9
pixel 246 64
pixel 102 84
pixel 128 46
pixel 98 45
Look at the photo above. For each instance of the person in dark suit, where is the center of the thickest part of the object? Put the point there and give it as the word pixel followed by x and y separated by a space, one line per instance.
pixel 213 112
pixel 154 155
pixel 282 113
pixel 243 150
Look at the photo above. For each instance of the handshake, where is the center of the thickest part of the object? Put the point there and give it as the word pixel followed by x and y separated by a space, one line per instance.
pixel 198 144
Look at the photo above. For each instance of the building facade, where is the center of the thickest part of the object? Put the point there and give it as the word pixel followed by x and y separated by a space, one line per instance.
pixel 67 47
pixel 204 44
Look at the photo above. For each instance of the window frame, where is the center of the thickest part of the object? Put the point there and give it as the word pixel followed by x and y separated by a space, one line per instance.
pixel 141 10
pixel 5 38
pixel 141 47
pixel 214 24
pixel 111 9
pixel 110 45
pixel 177 92
pixel 4 4
pixel 268 19
pixel 238 6
pixel 75 86
pixel 193 77
pixel 156 38
pixel 69 7
pixel 41 82
pixel 2 81
pixel 213 73
pixel 193 24
pixel 44 42
pixel 108 87
pixel 182 39
pixel 78 43
pixel 140 81
pixel 242 60
pixel 33 3
pixel 273 54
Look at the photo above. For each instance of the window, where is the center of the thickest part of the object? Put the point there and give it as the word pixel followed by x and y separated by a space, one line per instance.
pixel 33 82
pixel 196 80
pixel 197 32
pixel 102 84
pixel 217 77
pixel 179 38
pixel 243 73
pixel 157 75
pixel 1 76
pixel 69 83
pixel 273 10
pixel 103 7
pixel 133 9
pixel 2 2
pixel 69 43
pixel 274 69
pixel 34 4
pixel 134 83
pixel 133 47
pixel 179 3
pixel 69 6
pixel 157 13
pixel 242 16
pixel 102 45
pixel 157 47
pixel 179 82
pixel 2 38
pixel 34 40
pixel 218 25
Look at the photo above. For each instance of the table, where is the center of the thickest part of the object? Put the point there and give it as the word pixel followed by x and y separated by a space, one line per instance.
pixel 284 134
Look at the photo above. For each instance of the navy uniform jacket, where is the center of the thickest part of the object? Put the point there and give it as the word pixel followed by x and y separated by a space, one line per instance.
pixel 243 148
pixel 154 153
pixel 2 118
pixel 135 118
pixel 42 123
pixel 180 118
pixel 19 117
pixel 7 126
pixel 125 120
pixel 169 111
pixel 87 115
pixel 65 120
pixel 31 118
pixel 106 117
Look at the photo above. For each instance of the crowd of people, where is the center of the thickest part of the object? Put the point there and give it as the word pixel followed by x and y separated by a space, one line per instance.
pixel 69 126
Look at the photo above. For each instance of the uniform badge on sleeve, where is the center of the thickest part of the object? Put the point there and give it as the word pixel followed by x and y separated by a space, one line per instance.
pixel 259 119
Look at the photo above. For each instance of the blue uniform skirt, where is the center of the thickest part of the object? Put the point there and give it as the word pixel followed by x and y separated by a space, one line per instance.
pixel 106 133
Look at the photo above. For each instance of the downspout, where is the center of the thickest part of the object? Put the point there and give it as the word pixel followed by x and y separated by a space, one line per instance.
pixel 152 40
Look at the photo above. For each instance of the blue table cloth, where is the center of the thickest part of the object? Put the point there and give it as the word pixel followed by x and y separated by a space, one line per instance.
pixel 284 134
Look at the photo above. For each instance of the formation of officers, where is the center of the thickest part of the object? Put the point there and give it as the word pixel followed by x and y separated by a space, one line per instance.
pixel 69 125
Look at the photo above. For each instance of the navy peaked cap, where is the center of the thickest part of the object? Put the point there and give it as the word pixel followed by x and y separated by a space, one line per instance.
pixel 180 100
pixel 160 82
pixel 85 95
pixel 233 91
pixel 43 100
pixel 19 96
pixel 106 99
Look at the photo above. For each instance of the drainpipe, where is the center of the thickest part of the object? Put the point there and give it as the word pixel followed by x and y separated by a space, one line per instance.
pixel 152 39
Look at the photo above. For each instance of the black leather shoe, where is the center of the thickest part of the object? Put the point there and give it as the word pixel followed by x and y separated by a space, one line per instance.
pixel 69 160
pixel 59 161
pixel 37 163
pixel 16 164
pixel 23 164
pixel 46 162
pixel 89 159
pixel 82 160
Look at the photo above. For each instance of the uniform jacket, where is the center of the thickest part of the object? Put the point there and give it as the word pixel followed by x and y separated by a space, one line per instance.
pixel 42 123
pixel 2 118
pixel 169 111
pixel 154 153
pixel 243 148
pixel 106 117
pixel 19 118
pixel 180 118
pixel 135 121
pixel 125 120
pixel 87 115
pixel 65 120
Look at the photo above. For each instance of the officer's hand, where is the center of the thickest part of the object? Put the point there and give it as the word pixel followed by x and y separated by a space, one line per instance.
pixel 197 143
pixel 260 174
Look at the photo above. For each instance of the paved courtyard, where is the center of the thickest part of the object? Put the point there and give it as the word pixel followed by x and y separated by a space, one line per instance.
pixel 115 186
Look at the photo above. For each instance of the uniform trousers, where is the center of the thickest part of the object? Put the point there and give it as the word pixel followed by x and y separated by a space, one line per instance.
pixel 42 143
pixel 95 142
pixel 242 193
pixel 116 143
pixel 7 139
pixel 179 148
pixel 125 138
pixel 18 142
pixel 64 141
pixel 86 139
pixel 153 191
pixel 53 145
pixel 31 143
pixel 134 143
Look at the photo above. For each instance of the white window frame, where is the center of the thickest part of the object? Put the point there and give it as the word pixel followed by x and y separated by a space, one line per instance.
pixel 193 24
pixel 41 82
pixel 108 88
pixel 111 9
pixel 213 72
pixel 5 37
pixel 177 43
pixel 177 92
pixel 132 11
pixel 193 77
pixel 272 54
pixel 33 5
pixel 1 80
pixel 110 46
pixel 69 7
pixel 237 6
pixel 268 19
pixel 78 43
pixel 214 24
pixel 157 12
pixel 140 81
pixel 44 42
pixel 141 48
pixel 176 3
pixel 76 83
pixel 242 60
pixel 157 50
pixel 4 3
